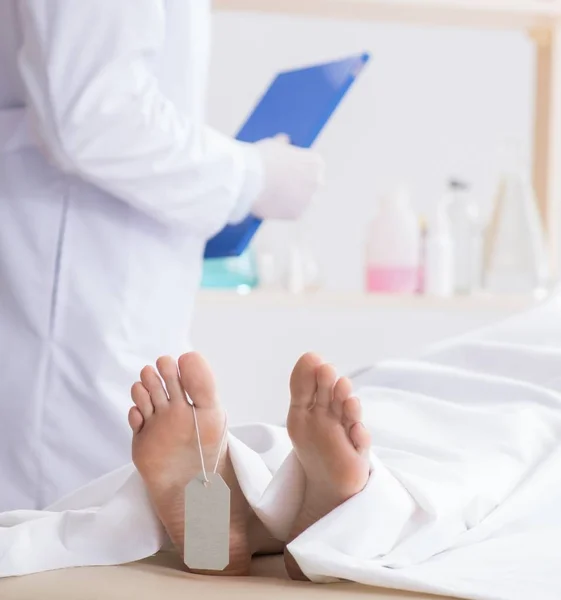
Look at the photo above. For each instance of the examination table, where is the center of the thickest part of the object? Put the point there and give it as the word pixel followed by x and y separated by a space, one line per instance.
pixel 161 578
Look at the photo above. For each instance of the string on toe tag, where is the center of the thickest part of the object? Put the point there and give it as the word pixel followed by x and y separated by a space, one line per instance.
pixel 207 513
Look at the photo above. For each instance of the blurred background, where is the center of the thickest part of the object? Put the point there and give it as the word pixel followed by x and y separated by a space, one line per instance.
pixel 435 105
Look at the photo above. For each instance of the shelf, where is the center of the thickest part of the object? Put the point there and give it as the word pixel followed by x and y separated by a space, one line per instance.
pixel 357 301
pixel 509 14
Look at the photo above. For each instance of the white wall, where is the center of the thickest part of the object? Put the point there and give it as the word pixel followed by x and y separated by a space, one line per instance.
pixel 433 103
pixel 252 342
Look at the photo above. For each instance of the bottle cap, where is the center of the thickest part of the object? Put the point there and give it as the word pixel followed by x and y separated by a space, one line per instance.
pixel 399 198
pixel 458 184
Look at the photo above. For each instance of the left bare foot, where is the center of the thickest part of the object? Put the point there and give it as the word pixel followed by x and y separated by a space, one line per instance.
pixel 166 453
pixel 331 443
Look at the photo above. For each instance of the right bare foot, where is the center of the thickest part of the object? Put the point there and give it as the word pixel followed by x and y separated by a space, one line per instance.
pixel 331 443
pixel 165 448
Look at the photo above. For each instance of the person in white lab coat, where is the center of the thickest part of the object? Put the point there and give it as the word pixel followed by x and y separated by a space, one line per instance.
pixel 110 185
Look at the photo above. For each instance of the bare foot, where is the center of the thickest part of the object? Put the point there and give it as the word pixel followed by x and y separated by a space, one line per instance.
pixel 324 424
pixel 165 449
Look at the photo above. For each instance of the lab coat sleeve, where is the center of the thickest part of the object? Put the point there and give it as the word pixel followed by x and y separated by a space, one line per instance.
pixel 99 113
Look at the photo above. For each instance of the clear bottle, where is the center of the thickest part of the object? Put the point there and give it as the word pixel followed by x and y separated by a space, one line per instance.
pixel 393 246
pixel 467 234
pixel 516 258
pixel 423 234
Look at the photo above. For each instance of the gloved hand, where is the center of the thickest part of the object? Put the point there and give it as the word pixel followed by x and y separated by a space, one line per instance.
pixel 292 177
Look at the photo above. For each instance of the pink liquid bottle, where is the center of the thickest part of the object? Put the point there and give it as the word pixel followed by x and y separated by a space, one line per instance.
pixel 393 247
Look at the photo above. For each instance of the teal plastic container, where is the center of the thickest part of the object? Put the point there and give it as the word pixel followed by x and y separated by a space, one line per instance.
pixel 238 272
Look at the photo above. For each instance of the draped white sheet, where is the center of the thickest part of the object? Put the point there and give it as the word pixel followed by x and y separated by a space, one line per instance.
pixel 464 497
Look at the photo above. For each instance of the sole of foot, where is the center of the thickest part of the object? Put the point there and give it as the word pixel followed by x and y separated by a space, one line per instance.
pixel 330 441
pixel 165 449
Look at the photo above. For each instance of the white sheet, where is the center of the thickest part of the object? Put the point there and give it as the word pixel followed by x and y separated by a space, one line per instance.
pixel 464 499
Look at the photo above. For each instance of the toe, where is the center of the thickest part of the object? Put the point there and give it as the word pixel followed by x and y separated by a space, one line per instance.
pixel 141 398
pixel 152 382
pixel 167 367
pixel 197 380
pixel 360 437
pixel 352 412
pixel 343 390
pixel 303 381
pixel 326 376
pixel 136 420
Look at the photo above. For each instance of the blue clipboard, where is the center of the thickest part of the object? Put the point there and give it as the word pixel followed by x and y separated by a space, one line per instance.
pixel 298 103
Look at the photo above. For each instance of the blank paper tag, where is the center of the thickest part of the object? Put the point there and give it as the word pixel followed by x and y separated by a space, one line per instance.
pixel 207 524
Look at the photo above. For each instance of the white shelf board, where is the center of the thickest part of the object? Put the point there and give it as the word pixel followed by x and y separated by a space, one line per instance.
pixel 510 14
pixel 357 301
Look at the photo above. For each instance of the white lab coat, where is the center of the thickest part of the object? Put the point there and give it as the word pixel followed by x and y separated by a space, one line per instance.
pixel 109 186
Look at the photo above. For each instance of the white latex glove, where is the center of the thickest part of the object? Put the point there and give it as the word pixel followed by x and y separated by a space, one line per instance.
pixel 292 177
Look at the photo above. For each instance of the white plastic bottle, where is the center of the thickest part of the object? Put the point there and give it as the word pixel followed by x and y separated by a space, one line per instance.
pixel 467 234
pixel 393 247
pixel 439 256
pixel 295 274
